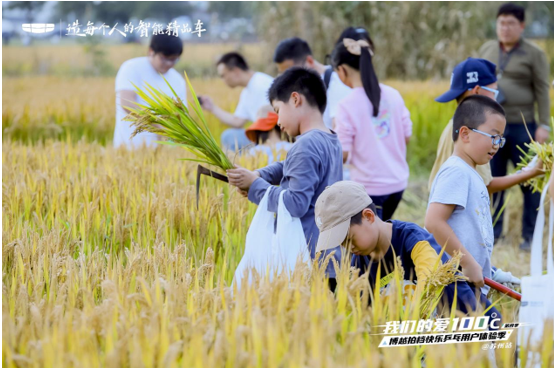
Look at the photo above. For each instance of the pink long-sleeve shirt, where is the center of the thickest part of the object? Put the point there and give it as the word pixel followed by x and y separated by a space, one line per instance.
pixel 376 145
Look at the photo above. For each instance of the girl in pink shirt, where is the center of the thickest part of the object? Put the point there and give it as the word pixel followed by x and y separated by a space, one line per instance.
pixel 373 125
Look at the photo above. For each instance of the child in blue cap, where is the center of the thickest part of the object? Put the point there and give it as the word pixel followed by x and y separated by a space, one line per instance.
pixel 475 77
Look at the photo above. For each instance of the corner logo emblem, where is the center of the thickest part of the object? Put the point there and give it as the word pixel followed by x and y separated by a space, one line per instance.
pixel 38 27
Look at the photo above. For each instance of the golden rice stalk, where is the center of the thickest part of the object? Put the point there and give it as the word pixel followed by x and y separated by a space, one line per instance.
pixel 169 117
pixel 545 153
pixel 444 274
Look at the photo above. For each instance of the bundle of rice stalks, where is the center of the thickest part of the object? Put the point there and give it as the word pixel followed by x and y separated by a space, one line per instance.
pixel 169 117
pixel 442 275
pixel 535 151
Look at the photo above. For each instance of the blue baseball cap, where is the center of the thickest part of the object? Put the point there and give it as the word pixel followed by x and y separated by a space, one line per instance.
pixel 468 74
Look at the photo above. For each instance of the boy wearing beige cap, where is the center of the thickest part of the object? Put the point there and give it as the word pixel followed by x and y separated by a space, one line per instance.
pixel 344 211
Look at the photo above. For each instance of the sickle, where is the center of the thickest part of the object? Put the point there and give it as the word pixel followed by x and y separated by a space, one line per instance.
pixel 503 289
pixel 205 171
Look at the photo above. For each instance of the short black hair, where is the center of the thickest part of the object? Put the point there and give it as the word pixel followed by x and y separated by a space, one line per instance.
pixel 512 9
pixel 294 48
pixel 472 112
pixel 166 45
pixel 301 80
pixel 233 60
pixel 357 218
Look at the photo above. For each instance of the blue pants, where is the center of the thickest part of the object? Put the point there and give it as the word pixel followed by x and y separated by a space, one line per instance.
pixel 234 139
pixel 387 204
pixel 467 300
pixel 516 135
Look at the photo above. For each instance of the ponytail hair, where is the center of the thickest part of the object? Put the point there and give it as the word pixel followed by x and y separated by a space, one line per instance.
pixel 357 54
pixel 357 33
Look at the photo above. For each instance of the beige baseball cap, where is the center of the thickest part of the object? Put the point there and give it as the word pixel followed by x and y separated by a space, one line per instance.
pixel 334 208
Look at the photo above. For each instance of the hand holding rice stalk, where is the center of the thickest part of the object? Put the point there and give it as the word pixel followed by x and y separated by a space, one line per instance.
pixel 544 152
pixel 169 117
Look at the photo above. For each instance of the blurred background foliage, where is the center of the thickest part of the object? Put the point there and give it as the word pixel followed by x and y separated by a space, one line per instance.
pixel 414 40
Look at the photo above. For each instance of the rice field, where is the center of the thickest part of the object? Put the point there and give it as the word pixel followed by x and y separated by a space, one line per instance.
pixel 94 57
pixel 41 107
pixel 106 262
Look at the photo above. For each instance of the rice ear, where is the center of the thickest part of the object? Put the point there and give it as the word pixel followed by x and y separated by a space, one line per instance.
pixel 169 117
pixel 545 153
pixel 526 128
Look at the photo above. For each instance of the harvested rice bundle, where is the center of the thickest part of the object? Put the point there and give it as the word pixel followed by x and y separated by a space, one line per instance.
pixel 169 117
pixel 535 151
pixel 442 275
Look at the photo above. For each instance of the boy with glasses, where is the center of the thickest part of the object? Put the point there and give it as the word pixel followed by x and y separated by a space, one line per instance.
pixel 470 77
pixel 475 77
pixel 459 214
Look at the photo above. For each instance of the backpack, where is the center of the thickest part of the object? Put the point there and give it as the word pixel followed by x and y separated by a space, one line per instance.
pixel 327 77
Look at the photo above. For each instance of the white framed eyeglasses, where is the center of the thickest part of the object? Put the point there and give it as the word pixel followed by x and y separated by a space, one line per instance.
pixel 497 139
pixel 495 91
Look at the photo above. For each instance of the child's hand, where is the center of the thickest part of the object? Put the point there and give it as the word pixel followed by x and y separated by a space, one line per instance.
pixel 474 272
pixel 538 169
pixel 535 168
pixel 505 278
pixel 242 178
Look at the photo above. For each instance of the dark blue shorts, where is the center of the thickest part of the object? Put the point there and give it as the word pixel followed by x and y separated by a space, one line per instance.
pixel 466 301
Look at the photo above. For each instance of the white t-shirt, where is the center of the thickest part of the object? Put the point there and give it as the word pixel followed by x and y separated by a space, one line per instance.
pixel 459 184
pixel 140 71
pixel 254 96
pixel 336 92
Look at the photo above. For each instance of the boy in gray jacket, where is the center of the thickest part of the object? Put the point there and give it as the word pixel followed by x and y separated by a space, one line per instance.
pixel 313 163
